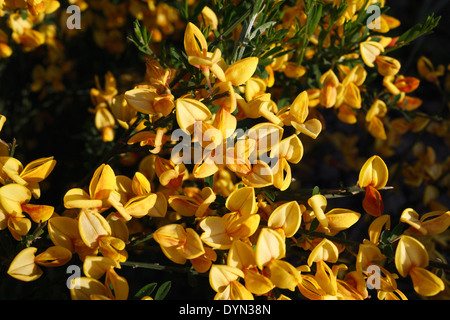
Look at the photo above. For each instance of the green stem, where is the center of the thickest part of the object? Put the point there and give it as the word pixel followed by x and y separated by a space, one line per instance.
pixel 159 267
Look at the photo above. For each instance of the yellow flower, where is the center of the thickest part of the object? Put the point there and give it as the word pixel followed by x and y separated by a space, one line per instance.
pixel 318 203
pixel 196 49
pixel 170 175
pixel 286 218
pixel 25 265
pixel 431 223
pixel 387 66
pixel 324 251
pixel 288 150
pixel 373 176
pixel 148 101
pixel 296 115
pixel 42 6
pixel 241 255
pixel 194 202
pixel 225 281
pixel 156 140
pixel 64 232
pixel 103 182
pixel 240 223
pixel 328 93
pixel 96 232
pixel 270 249
pixel 189 111
pixel 14 200
pixel 179 244
pixel 369 51
pixel 85 288
pixel 34 172
pixel 411 258
pixel 5 49
pixel 427 70
pixel 368 254
pixel 374 119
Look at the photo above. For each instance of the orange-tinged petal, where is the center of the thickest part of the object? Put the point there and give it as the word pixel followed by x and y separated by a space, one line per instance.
pixel 376 128
pixel 38 213
pixel 407 84
pixel 92 226
pixel 241 71
pixel 372 202
pixel 23 266
pixel 387 66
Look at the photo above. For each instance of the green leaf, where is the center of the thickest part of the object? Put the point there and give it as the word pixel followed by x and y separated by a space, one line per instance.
pixel 145 291
pixel 209 181
pixel 315 190
pixel 313 18
pixel 314 224
pixel 270 195
pixel 163 290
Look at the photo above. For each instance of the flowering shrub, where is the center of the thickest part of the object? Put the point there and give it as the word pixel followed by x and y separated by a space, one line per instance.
pixel 254 149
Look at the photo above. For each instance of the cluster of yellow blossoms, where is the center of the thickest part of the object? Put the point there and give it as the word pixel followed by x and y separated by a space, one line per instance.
pixel 210 189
